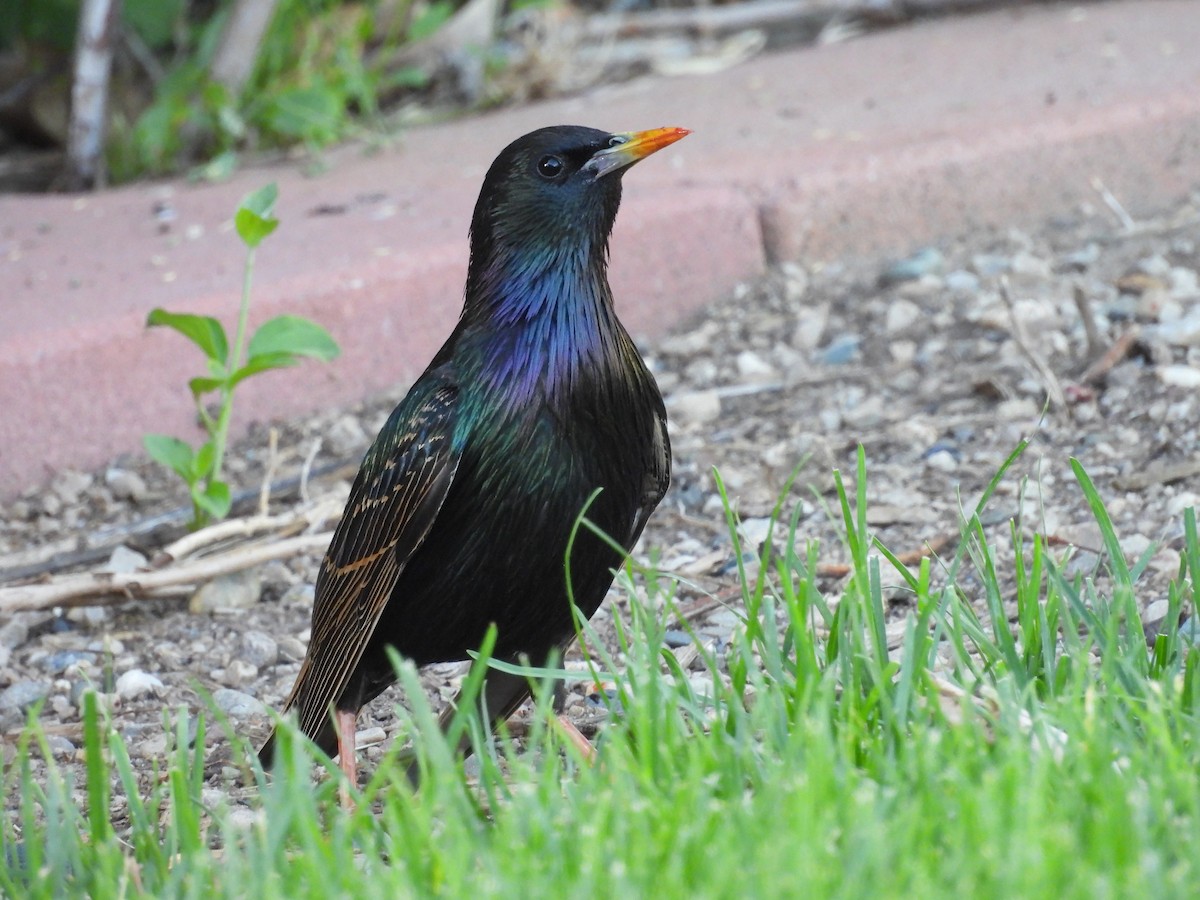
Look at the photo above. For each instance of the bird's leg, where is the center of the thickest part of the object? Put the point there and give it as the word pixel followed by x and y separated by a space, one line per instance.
pixel 577 739
pixel 347 753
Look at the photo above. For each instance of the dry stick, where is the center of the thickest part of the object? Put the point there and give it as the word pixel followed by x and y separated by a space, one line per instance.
pixel 284 524
pixel 89 92
pixel 264 493
pixel 1095 343
pixel 100 589
pixel 1127 221
pixel 1021 337
pixel 1113 355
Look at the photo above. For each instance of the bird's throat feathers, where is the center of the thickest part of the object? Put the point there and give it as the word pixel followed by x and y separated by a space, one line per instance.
pixel 547 315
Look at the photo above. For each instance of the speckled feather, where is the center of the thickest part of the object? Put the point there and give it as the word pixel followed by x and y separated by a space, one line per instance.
pixel 461 512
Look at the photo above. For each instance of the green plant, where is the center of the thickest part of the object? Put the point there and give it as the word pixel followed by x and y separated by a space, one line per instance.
pixel 278 343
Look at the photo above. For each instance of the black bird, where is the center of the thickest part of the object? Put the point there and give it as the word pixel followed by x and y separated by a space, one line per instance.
pixel 460 515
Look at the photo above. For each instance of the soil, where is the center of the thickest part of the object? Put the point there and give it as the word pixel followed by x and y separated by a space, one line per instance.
pixel 920 361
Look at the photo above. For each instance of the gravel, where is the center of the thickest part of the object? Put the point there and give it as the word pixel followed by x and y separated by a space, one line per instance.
pixel 916 359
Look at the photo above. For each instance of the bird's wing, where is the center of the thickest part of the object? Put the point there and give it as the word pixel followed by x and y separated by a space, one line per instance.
pixel 658 476
pixel 393 503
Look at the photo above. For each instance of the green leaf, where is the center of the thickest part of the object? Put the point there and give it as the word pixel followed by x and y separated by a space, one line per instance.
pixel 205 385
pixel 204 331
pixel 429 21
pixel 202 463
pixel 293 334
pixel 306 113
pixel 255 217
pixel 214 499
pixel 172 453
pixel 263 362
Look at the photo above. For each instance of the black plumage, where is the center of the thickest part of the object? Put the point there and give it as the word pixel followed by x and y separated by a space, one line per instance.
pixel 460 515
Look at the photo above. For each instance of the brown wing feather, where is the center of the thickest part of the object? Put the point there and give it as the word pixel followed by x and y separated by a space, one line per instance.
pixel 391 508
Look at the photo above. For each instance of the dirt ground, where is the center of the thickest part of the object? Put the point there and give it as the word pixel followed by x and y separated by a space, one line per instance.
pixel 927 362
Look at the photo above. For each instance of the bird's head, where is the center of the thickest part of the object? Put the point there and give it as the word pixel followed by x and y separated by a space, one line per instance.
pixel 556 191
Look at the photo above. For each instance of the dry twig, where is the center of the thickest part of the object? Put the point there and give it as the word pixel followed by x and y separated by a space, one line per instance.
pixel 1021 337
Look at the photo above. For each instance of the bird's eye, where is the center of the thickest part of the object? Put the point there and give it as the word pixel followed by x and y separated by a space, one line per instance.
pixel 549 166
pixel 617 140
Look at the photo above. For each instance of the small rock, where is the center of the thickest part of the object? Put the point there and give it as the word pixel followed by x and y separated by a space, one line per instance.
pixel 694 407
pixel 123 560
pixel 240 672
pixel 1018 409
pixel 901 314
pixel 345 436
pixel 1134 545
pixel 691 343
pixel 943 460
pixel 962 282
pixel 1025 263
pixel 90 616
pixel 22 695
pixel 926 261
pixel 237 704
pixel 60 747
pixel 126 485
pixel 1185 284
pixel 300 594
pixel 754 532
pixel 369 737
pixel 57 663
pixel 1179 376
pixel 15 631
pixel 259 649
pixel 810 326
pixel 237 590
pixel 69 485
pixel 753 369
pixel 152 748
pixel 291 648
pixel 136 683
pixel 989 265
pixel 1181 501
pixel 841 350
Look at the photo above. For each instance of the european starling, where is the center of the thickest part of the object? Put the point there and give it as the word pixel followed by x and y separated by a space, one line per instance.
pixel 462 510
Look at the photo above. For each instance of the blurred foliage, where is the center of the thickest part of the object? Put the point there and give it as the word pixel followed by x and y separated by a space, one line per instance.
pixel 313 81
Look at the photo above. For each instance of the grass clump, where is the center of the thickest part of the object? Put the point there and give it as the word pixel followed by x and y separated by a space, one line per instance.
pixel 1044 753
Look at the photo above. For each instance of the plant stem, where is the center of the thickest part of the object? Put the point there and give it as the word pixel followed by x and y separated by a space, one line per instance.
pixel 221 432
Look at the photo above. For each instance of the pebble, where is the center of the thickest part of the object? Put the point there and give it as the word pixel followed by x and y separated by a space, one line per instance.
pixel 841 350
pixel 123 560
pixel 68 485
pixel 694 407
pixel 1179 376
pixel 291 648
pixel 135 683
pixel 238 704
pixel 901 314
pixel 961 281
pixel 60 747
pixel 810 327
pixel 237 590
pixel 345 436
pixel 22 695
pixel 57 663
pixel 15 631
pixel 126 485
pixel 258 648
pixel 369 736
pixel 753 369
pixel 240 672
pixel 926 261
pixel 942 460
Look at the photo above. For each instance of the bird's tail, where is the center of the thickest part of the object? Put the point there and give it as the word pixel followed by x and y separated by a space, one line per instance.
pixel 325 739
